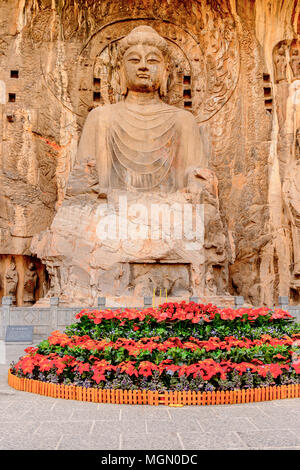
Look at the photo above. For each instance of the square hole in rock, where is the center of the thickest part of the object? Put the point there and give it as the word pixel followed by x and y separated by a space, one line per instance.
pixel 187 93
pixel 267 91
pixel 96 96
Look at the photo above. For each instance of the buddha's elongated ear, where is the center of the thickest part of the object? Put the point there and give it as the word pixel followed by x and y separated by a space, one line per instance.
pixel 122 81
pixel 163 90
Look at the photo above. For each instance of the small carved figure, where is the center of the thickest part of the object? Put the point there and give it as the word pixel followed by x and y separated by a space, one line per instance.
pixel 295 63
pixel 210 284
pixel 11 280
pixel 30 283
pixel 280 64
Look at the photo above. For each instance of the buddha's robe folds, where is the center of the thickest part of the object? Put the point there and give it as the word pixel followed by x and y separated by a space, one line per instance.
pixel 134 147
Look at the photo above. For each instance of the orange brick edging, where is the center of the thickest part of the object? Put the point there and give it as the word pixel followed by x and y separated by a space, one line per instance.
pixel 147 397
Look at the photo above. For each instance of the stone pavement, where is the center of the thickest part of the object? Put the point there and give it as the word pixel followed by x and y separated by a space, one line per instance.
pixel 29 421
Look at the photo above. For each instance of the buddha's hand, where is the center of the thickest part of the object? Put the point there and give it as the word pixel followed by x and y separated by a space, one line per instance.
pixel 202 179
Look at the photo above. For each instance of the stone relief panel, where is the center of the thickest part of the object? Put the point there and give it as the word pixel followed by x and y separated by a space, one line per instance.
pixel 280 62
pixel 286 59
pixel 24 278
pixel 295 59
pixel 163 280
pixel 11 279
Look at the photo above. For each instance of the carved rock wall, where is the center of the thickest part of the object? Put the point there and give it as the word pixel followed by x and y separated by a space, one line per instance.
pixel 236 68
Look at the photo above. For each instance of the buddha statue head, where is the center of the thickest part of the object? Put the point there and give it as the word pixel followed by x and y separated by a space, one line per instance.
pixel 143 62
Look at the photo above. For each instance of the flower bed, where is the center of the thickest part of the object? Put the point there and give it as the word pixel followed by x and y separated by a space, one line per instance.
pixel 177 347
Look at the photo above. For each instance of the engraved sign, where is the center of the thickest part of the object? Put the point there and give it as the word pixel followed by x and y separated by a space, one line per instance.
pixel 19 334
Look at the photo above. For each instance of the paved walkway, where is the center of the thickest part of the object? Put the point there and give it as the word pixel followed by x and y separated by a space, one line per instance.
pixel 29 421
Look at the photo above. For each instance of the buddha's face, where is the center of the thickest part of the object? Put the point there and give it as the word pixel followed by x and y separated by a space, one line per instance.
pixel 144 68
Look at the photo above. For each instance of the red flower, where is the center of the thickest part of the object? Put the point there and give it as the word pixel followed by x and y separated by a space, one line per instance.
pixel 128 368
pixel 278 314
pixel 279 356
pixel 146 368
pixel 45 364
pixel 83 367
pixel 27 364
pixel 31 350
pixel 57 337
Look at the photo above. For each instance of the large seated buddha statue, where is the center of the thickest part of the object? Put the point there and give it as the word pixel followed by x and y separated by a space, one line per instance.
pixel 150 152
pixel 140 143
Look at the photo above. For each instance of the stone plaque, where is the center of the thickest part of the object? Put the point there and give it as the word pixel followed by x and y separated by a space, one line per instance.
pixel 19 334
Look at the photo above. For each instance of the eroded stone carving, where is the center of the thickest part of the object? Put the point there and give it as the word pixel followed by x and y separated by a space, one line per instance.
pixel 160 280
pixel 22 277
pixel 286 58
pixel 295 62
pixel 11 280
pixel 30 284
pixel 280 63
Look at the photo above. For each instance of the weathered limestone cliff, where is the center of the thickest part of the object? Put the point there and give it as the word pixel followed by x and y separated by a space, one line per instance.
pixel 236 68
